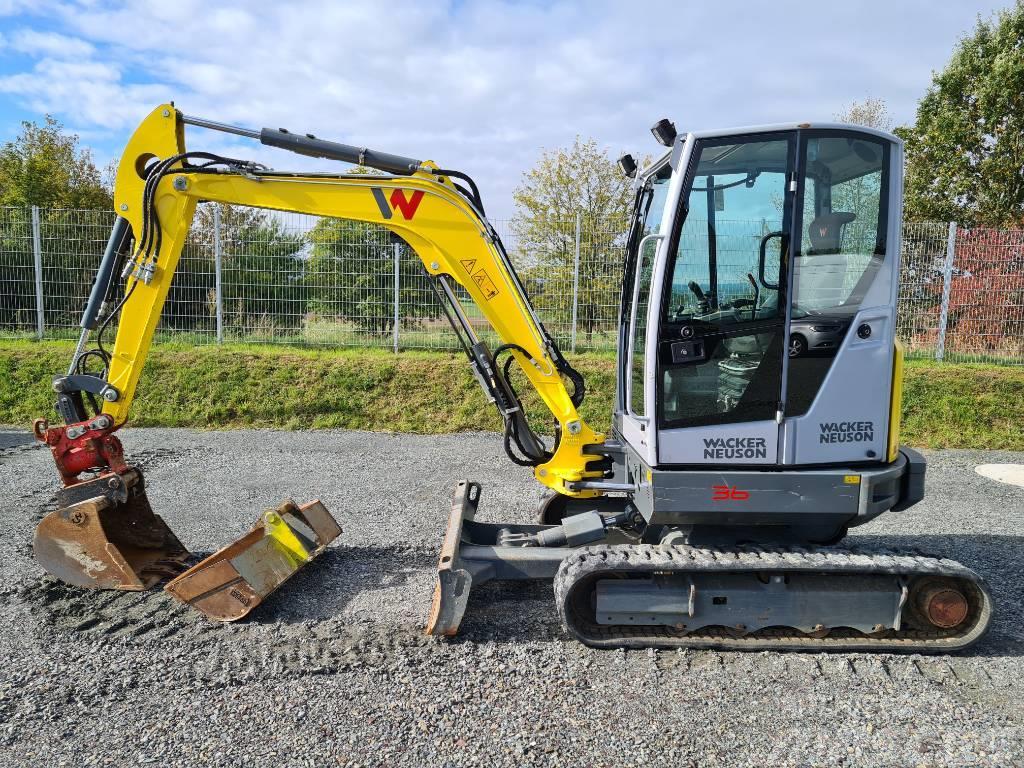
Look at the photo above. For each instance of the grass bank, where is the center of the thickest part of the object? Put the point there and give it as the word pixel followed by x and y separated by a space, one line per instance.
pixel 945 406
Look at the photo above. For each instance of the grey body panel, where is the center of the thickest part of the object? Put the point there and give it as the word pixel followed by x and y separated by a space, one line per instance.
pixel 750 443
pixel 803 496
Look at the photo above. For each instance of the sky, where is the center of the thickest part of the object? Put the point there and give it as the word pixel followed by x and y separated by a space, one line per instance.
pixel 482 86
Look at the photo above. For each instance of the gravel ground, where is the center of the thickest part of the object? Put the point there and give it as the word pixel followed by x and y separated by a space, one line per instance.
pixel 334 670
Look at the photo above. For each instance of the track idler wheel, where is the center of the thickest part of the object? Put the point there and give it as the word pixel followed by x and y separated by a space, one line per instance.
pixel 941 603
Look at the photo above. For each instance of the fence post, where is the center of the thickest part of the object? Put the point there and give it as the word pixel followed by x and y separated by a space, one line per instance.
pixel 218 290
pixel 575 285
pixel 37 254
pixel 397 250
pixel 947 277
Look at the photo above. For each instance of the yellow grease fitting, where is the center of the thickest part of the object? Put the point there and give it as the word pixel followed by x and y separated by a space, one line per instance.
pixel 444 230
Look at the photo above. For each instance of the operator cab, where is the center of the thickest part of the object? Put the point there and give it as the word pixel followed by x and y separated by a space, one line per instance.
pixel 757 323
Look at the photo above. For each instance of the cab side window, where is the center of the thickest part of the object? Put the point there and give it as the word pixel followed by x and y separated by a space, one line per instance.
pixel 843 223
pixel 652 205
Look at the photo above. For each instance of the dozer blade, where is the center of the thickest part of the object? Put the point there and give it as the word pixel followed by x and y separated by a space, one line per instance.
pixel 451 593
pixel 476 552
pixel 108 537
pixel 231 582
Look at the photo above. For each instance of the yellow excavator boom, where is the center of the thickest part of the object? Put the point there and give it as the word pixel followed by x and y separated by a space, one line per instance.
pixel 425 209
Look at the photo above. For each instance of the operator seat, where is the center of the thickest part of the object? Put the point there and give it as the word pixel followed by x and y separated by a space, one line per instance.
pixel 826 232
pixel 819 272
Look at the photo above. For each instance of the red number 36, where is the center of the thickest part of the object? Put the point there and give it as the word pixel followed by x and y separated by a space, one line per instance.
pixel 728 493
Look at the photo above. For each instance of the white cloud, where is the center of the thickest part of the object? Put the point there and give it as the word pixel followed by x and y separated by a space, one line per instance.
pixel 88 93
pixel 50 44
pixel 483 85
pixel 11 7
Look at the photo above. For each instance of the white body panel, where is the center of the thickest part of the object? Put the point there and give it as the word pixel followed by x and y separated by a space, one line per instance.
pixel 749 443
pixel 849 419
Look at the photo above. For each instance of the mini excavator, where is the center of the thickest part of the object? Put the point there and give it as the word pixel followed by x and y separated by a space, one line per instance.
pixel 756 417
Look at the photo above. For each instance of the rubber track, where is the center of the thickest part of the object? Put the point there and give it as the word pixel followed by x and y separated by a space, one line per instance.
pixel 583 568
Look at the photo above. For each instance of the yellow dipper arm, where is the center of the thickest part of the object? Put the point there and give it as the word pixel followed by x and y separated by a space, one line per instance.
pixel 424 209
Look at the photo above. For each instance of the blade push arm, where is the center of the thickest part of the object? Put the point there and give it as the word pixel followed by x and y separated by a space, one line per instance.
pixel 425 208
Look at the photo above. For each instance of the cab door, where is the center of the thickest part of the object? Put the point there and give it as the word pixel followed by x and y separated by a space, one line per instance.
pixel 843 285
pixel 722 338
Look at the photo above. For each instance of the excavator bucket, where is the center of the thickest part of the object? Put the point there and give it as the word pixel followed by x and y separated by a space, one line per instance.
pixel 106 536
pixel 231 582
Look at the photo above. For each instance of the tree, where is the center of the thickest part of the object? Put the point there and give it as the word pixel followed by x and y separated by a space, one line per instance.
pixel 871 113
pixel 44 166
pixel 18 306
pixel 856 195
pixel 861 195
pixel 351 278
pixel 263 272
pixel 579 180
pixel 986 293
pixel 261 275
pixel 351 275
pixel 966 163
pixel 965 151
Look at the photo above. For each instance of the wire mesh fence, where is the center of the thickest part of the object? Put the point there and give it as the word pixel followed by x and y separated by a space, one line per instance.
pixel 255 276
pixel 922 270
pixel 18 299
pixel 986 296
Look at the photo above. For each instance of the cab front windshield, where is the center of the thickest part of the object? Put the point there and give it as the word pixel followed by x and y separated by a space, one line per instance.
pixel 729 246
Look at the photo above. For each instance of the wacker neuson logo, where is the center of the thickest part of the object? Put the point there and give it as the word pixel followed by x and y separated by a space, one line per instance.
pixel 847 432
pixel 735 448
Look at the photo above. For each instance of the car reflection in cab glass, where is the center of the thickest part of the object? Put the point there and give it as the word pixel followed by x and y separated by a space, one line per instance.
pixel 817 333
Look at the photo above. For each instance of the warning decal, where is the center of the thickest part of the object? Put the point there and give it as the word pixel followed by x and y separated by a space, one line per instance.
pixel 485 284
pixel 469 264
